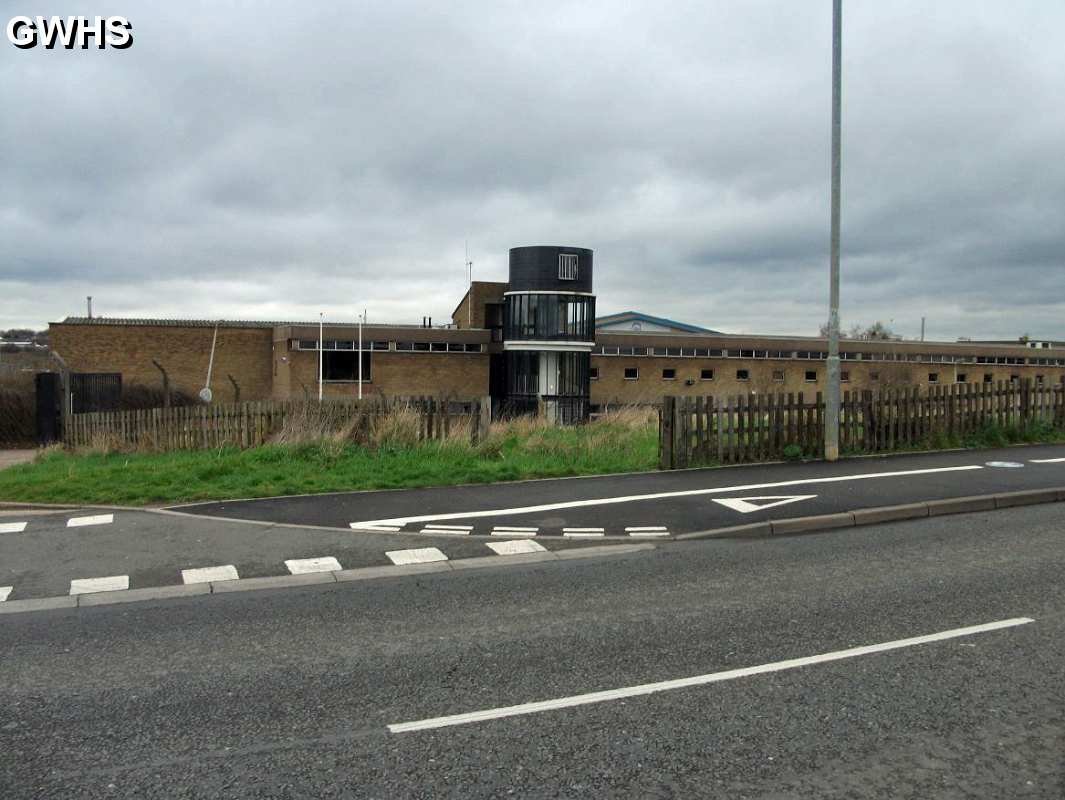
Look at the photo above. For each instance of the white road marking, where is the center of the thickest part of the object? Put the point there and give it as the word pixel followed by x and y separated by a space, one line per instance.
pixel 13 527
pixel 583 533
pixel 515 532
pixel 419 555
pixel 646 529
pixel 114 583
pixel 5 592
pixel 697 680
pixel 1006 464
pixel 444 531
pixel 1046 460
pixel 745 505
pixel 207 574
pixel 99 519
pixel 648 533
pixel 302 566
pixel 516 547
pixel 603 501
pixel 454 527
pixel 362 526
pixel 514 529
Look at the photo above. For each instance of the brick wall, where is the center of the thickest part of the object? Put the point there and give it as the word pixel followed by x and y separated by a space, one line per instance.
pixel 244 353
pixel 462 375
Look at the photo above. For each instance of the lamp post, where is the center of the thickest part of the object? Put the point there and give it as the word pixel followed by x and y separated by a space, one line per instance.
pixel 832 390
pixel 321 346
pixel 362 319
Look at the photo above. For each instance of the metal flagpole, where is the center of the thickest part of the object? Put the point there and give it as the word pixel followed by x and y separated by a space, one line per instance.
pixel 321 344
pixel 361 318
pixel 832 397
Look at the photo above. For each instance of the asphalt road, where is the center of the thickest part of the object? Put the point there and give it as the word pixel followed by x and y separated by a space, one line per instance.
pixel 290 694
pixel 153 549
pixel 679 501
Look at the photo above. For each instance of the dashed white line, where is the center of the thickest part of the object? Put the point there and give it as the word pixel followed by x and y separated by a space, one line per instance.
pixel 13 527
pixel 583 533
pixel 516 547
pixel 452 527
pixel 113 583
pixel 698 680
pixel 98 519
pixel 646 529
pixel 207 574
pixel 5 592
pixel 1047 460
pixel 302 566
pixel 445 531
pixel 503 530
pixel 498 512
pixel 419 555
pixel 648 534
pixel 358 526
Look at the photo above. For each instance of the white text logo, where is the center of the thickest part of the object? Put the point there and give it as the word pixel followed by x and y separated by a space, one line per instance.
pixel 28 32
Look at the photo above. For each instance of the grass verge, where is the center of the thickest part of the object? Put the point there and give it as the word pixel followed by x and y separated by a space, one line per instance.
pixel 623 442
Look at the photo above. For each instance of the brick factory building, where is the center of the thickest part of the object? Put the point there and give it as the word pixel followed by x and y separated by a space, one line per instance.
pixel 532 340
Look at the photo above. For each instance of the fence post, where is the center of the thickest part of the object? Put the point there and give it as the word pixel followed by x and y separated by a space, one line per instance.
pixel 666 423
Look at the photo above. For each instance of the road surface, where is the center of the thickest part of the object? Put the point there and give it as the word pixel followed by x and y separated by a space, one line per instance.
pixel 305 693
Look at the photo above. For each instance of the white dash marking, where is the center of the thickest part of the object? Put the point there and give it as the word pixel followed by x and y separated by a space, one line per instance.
pixel 452 527
pixel 646 528
pixel 302 566
pixel 697 680
pixel 419 555
pixel 114 583
pixel 443 532
pixel 648 534
pixel 516 547
pixel 207 574
pixel 514 529
pixel 358 526
pixel 99 519
pixel 1047 460
pixel 583 534
pixel 12 527
pixel 5 592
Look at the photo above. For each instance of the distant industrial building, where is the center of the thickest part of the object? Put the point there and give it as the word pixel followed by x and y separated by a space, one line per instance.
pixel 532 342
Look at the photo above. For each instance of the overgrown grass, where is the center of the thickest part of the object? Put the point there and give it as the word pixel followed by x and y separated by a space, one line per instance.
pixel 524 448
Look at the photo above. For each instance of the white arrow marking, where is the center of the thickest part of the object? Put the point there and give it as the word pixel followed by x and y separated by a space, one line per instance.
pixel 745 505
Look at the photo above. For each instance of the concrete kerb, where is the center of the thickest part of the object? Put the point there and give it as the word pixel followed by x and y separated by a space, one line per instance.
pixel 309 579
pixel 872 516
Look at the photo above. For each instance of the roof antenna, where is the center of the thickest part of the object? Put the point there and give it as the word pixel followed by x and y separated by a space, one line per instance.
pixel 88 301
pixel 469 272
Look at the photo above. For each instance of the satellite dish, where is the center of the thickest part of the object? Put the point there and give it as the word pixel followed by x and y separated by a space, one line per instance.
pixel 206 394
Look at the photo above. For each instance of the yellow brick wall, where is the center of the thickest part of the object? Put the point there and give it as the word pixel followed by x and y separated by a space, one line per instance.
pixel 463 375
pixel 244 353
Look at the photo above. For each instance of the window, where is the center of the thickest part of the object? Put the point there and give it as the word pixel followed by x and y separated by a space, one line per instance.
pixel 845 377
pixel 669 374
pixel 567 267
pixel 376 345
pixel 874 376
pixel 743 375
pixel 404 347
pixel 961 377
pixel 308 344
pixel 989 378
pixel 706 375
pixel 658 351
pixel 1038 380
pixel 1015 378
pixel 778 375
pixel 811 376
pixel 341 365
pixel 421 347
pixel 933 377
pixel 632 373
pixel 593 373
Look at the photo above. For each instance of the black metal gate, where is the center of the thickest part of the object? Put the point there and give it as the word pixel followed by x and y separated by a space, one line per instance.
pixel 88 391
pixel 95 391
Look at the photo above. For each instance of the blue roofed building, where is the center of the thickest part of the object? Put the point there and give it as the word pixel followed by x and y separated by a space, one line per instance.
pixel 645 323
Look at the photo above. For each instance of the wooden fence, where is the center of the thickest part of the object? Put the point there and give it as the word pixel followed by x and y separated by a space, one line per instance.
pixel 252 424
pixel 748 428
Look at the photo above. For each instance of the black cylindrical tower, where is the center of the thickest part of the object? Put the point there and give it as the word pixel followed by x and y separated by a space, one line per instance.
pixel 549 331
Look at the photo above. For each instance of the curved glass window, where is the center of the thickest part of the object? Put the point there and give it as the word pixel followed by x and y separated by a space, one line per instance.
pixel 549 317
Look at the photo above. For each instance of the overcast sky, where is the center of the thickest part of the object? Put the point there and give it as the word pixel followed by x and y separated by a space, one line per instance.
pixel 254 160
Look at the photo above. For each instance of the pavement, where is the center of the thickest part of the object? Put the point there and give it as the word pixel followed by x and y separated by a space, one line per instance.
pixel 668 503
pixel 958 692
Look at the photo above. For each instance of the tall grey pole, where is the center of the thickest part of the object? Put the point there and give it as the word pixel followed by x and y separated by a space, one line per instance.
pixel 832 397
